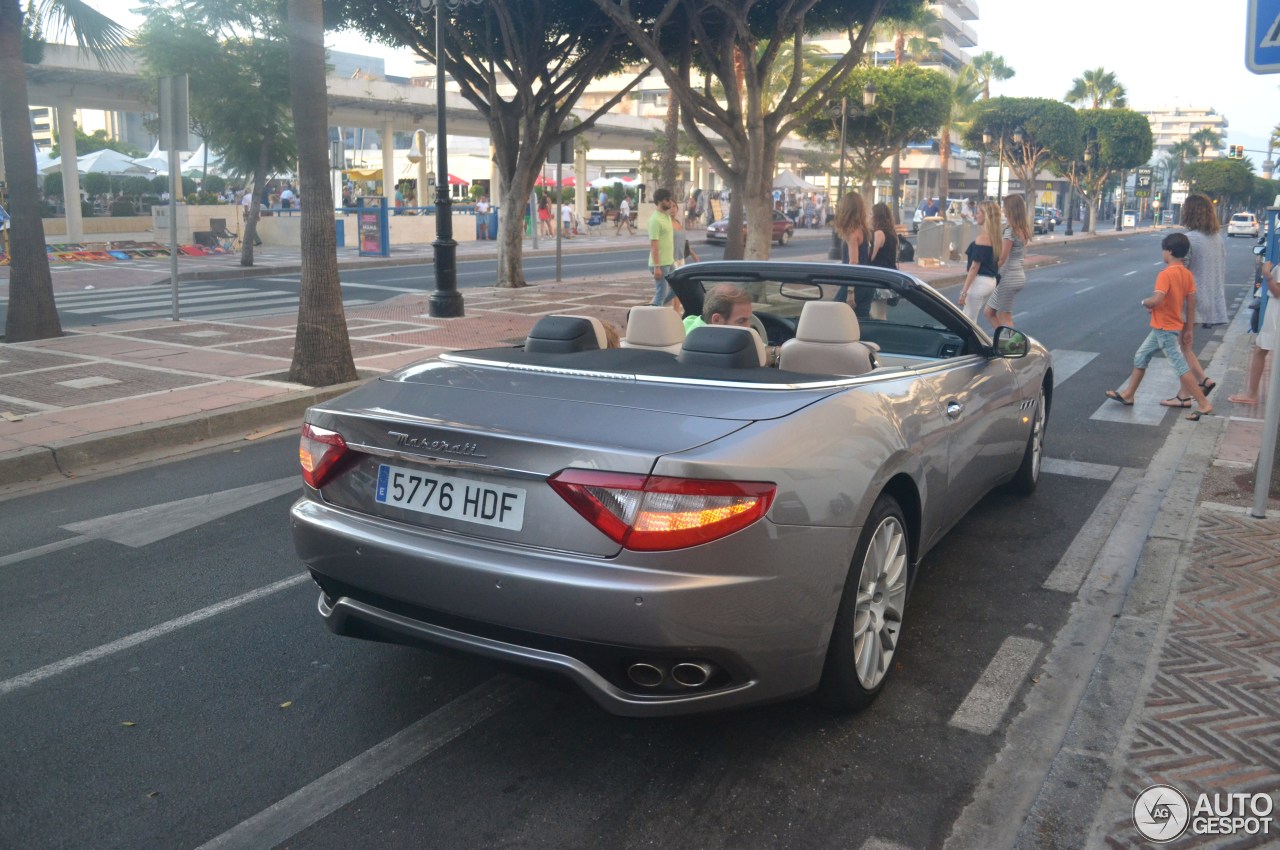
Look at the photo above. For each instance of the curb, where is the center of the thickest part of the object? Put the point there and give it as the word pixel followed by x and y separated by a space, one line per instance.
pixel 70 458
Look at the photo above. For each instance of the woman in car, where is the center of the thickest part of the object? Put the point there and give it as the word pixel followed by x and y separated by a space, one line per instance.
pixel 980 279
pixel 1012 277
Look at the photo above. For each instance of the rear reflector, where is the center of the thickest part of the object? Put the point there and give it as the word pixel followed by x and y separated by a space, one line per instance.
pixel 652 513
pixel 319 450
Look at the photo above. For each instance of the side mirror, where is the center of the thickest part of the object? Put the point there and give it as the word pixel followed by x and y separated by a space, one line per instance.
pixel 1011 343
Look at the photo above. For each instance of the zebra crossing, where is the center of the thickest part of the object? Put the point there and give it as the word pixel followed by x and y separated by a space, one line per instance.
pixel 195 300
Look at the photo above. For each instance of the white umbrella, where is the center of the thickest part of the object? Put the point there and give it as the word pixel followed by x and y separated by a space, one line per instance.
pixel 195 163
pixel 105 161
pixel 789 180
pixel 601 182
pixel 43 161
pixel 157 161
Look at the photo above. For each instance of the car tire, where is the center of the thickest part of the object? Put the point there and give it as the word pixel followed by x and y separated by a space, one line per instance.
pixel 868 625
pixel 784 237
pixel 1028 475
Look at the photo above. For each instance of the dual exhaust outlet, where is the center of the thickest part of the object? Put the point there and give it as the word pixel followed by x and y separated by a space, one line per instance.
pixel 686 674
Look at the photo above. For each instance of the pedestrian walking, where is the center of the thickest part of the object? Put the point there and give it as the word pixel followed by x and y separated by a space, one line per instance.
pixel 1011 277
pixel 884 238
pixel 544 216
pixel 1207 263
pixel 661 246
pixel 624 216
pixel 1173 317
pixel 1267 340
pixel 482 218
pixel 980 277
pixel 855 238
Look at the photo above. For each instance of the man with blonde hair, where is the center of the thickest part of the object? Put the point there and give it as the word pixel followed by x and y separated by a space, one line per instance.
pixel 725 304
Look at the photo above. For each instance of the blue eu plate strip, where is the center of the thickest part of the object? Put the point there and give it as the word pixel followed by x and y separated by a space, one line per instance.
pixel 384 473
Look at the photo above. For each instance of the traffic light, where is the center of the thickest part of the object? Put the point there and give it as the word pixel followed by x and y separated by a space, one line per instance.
pixel 1235 151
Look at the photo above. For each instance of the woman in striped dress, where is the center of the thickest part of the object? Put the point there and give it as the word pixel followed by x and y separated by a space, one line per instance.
pixel 1013 242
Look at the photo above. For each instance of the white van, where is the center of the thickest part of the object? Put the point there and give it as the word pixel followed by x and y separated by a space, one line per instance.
pixel 1243 224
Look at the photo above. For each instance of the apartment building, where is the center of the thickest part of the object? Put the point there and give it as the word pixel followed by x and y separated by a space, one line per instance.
pixel 1174 124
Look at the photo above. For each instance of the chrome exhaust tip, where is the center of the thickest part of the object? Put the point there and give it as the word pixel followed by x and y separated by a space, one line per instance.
pixel 691 674
pixel 645 675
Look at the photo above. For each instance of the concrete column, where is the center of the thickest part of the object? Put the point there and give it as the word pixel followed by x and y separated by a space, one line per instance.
pixel 581 189
pixel 495 186
pixel 70 176
pixel 389 163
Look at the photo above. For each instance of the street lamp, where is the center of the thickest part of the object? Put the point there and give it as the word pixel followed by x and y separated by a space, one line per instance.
pixel 446 300
pixel 868 102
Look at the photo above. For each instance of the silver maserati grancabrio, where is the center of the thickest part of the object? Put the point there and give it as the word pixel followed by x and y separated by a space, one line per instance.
pixel 689 522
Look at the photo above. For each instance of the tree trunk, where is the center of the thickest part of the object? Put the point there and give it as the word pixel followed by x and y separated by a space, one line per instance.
pixel 667 176
pixel 944 160
pixel 321 347
pixel 259 185
pixel 32 313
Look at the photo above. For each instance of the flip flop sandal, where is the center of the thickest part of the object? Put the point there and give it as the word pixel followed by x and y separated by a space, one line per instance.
pixel 1207 385
pixel 1197 415
pixel 1115 396
pixel 1177 401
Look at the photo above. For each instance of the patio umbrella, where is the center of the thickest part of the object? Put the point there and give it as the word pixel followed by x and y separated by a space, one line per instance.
pixel 105 161
pixel 455 180
pixel 544 180
pixel 789 180
pixel 157 161
pixel 601 182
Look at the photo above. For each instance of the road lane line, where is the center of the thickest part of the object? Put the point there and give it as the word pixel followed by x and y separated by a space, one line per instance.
pixel 1135 271
pixel 1083 291
pixel 1076 562
pixel 348 782
pixel 57 668
pixel 55 546
pixel 990 698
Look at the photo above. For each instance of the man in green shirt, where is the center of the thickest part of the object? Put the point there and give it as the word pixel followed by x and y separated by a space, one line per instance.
pixel 725 304
pixel 662 258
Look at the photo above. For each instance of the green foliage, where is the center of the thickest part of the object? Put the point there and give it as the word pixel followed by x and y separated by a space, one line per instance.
pixel 911 103
pixel 215 183
pixel 1264 192
pixel 135 187
pixel 53 185
pixel 122 207
pixel 989 68
pixel 1223 179
pixel 238 76
pixel 98 141
pixel 95 184
pixel 1097 88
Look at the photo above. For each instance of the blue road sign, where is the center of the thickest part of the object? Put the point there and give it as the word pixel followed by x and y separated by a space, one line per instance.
pixel 1262 52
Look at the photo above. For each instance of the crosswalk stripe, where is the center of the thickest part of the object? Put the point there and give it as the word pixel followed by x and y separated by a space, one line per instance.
pixel 1066 363
pixel 1159 383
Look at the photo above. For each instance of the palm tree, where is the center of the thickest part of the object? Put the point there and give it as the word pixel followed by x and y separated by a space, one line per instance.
pixel 1099 88
pixel 32 312
pixel 321 347
pixel 988 67
pixel 915 36
pixel 963 96
pixel 1205 138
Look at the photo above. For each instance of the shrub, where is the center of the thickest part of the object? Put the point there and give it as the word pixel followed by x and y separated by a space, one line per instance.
pixel 122 207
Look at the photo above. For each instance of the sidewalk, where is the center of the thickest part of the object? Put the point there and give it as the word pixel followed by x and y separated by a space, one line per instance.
pixel 1186 690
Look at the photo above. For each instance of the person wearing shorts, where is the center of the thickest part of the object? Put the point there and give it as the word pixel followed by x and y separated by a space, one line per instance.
pixel 1268 337
pixel 1173 315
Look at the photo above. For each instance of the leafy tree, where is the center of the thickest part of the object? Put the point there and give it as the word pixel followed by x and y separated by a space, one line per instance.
pixel 1050 130
pixel 1098 88
pixel 1264 192
pixel 236 60
pixel 1206 138
pixel 990 68
pixel 911 103
pixel 1117 139
pixel 523 66
pixel 86 143
pixel 915 34
pixel 962 98
pixel 1225 180
pixel 32 313
pixel 733 44
pixel 321 347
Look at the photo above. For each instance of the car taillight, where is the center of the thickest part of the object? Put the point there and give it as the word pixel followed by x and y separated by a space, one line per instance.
pixel 652 513
pixel 318 451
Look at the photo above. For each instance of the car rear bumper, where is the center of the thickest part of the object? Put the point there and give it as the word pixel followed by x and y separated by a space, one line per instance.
pixel 759 619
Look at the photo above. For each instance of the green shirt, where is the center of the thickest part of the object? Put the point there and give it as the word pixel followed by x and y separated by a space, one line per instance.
pixel 691 322
pixel 660 229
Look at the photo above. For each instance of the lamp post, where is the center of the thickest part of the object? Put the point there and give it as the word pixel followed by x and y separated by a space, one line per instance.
pixel 446 300
pixel 868 102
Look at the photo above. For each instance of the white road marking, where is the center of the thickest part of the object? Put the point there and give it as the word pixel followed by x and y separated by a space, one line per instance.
pixel 1159 383
pixel 56 546
pixel 1079 469
pixel 990 698
pixel 1076 562
pixel 1083 291
pixel 348 782
pixel 882 844
pixel 1135 271
pixel 1066 363
pixel 57 668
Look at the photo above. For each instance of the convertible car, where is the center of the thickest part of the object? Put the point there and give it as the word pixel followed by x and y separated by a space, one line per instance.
pixel 685 523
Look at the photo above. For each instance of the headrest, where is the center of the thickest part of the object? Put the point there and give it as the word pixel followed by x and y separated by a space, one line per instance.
pixel 653 327
pixel 828 321
pixel 565 335
pixel 725 346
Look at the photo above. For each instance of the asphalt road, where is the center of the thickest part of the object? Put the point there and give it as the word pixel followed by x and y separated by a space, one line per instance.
pixel 165 680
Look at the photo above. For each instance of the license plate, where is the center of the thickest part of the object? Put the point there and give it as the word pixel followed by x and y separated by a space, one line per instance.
pixel 451 497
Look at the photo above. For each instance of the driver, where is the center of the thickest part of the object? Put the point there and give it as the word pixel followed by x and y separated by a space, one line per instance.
pixel 725 304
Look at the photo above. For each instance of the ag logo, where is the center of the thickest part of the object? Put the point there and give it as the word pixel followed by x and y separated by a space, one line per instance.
pixel 1161 813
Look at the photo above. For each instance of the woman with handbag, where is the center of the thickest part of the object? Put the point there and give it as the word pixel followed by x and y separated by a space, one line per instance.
pixel 1012 276
pixel 980 279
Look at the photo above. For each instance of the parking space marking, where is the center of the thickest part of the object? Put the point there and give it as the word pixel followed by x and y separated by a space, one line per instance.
pixel 989 699
pixel 48 671
pixel 348 782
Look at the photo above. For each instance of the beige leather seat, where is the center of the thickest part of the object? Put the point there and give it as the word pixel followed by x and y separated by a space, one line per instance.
pixel 828 342
pixel 655 329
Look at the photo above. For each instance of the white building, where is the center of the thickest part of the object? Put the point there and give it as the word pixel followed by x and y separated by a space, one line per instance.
pixel 1174 124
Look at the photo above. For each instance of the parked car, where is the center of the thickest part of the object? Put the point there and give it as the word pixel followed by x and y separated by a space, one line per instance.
pixel 1243 224
pixel 783 229
pixel 1043 222
pixel 675 525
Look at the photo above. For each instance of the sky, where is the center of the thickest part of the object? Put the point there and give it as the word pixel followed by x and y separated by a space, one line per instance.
pixel 1166 54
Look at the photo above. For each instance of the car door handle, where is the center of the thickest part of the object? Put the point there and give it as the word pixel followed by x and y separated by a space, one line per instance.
pixel 954 409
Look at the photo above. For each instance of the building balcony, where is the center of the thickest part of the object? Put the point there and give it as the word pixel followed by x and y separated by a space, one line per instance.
pixel 954 26
pixel 966 9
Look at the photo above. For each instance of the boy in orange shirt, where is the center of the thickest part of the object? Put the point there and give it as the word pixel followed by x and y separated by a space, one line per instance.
pixel 1173 315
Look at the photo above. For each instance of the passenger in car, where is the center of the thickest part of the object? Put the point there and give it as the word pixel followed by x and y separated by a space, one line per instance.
pixel 725 304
